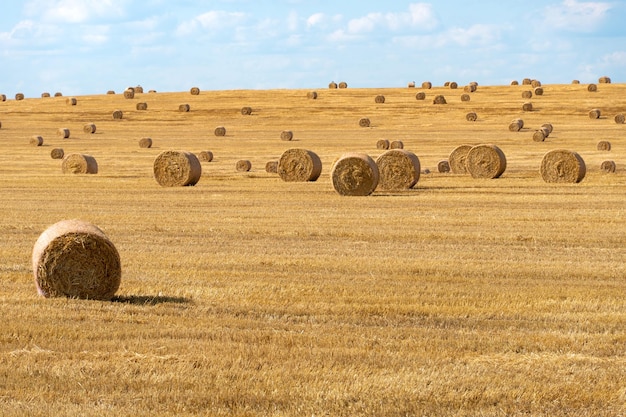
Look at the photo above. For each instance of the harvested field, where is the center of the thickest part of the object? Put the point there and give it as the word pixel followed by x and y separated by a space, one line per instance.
pixel 249 295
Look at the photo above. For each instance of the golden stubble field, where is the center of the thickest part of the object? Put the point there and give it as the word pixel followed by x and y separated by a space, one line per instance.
pixel 246 295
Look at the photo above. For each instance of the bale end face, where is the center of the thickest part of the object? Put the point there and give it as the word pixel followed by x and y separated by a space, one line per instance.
pixel 299 165
pixel 79 164
pixel 485 161
pixel 220 131
pixel 562 166
pixel 177 169
pixel 398 170
pixel 243 165
pixel 286 135
pixel 355 174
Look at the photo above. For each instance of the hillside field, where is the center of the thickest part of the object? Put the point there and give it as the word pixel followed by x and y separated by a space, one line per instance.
pixel 246 295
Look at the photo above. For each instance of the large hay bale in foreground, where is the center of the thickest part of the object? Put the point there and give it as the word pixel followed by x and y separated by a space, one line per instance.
pixel 243 165
pixel 485 161
pixel 457 159
pixel 63 132
pixel 595 114
pixel 355 174
pixel 89 128
pixel 177 169
pixel 608 166
pixel 145 143
pixel 398 169
pixel 443 166
pixel 195 91
pixel 57 153
pixel 205 156
pixel 382 144
pixel 620 118
pixel 36 140
pixel 75 259
pixel 562 166
pixel 604 145
pixel 286 135
pixel 77 163
pixel 299 165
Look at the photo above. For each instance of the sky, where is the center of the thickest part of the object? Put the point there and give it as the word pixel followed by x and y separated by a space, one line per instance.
pixel 81 47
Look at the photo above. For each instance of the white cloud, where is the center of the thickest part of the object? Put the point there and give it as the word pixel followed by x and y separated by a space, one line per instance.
pixel 211 21
pixel 419 16
pixel 315 19
pixel 75 11
pixel 577 16
pixel 476 35
pixel 617 58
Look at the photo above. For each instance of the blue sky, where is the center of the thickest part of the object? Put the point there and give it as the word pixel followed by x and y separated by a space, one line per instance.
pixel 91 46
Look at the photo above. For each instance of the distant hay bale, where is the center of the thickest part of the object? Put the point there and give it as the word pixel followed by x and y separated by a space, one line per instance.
pixel 471 116
pixel 364 122
pixel 548 126
pixel 36 140
pixel 528 106
pixel 540 135
pixel 3 97
pixel 299 165
pixel 311 95
pixel 538 91
pixel 246 111
pixel 177 169
pixel 243 165
pixel 286 135
pixel 398 169
pixel 443 166
pixel 620 119
pixel 19 96
pixel 145 143
pixel 485 161
pixel 142 106
pixel 465 97
pixel 139 89
pixel 77 163
pixel 608 166
pixel 439 99
pixel 411 84
pixel 89 128
pixel 575 82
pixel 396 144
pixel 343 84
pixel 332 85
pixel 111 92
pixel 535 83
pixel 382 144
pixel 71 101
pixel 595 113
pixel 427 85
pixel 58 94
pixel 514 82
pixel 220 131
pixel 128 93
pixel 57 153
pixel 527 94
pixel 527 81
pixel 195 91
pixel 470 88
pixel 592 88
pixel 205 156
pixel 453 85
pixel 63 132
pixel 446 84
pixel 604 145
pixel 45 95
pixel 516 125
pixel 75 259
pixel 457 159
pixel 604 80
pixel 355 174
pixel 271 167
pixel 420 96
pixel 151 91
pixel 184 108
pixel 117 115
pixel 379 99
pixel 562 166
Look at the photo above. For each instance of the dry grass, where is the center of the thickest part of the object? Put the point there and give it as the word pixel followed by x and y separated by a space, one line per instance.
pixel 247 295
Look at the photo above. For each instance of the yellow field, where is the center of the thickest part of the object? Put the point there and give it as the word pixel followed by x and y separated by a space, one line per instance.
pixel 246 295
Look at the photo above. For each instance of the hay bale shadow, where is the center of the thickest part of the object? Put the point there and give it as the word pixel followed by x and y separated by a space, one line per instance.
pixel 149 299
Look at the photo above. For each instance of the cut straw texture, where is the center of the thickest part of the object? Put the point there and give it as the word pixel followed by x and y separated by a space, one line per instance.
pixel 77 163
pixel 562 166
pixel 177 169
pixel 36 140
pixel 89 128
pixel 75 259
pixel 485 161
pixel 398 169
pixel 608 166
pixel 355 174
pixel 243 165
pixel 57 153
pixel 457 159
pixel 299 165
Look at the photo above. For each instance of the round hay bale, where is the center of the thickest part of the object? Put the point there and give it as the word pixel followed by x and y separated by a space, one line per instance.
pixel 129 93
pixel 453 85
pixel 594 113
pixel 75 259
pixel 142 106
pixel 527 94
pixel 71 101
pixel 151 91
pixel 470 88
pixel 139 89
pixel 439 99
pixel 19 96
pixel 36 140
pixel 471 116
pixel 332 85
pixel 145 143
pixel 540 135
pixel 117 115
pixel 382 144
pixel 45 95
pixel 58 94
pixel 443 166
pixel 446 84
pixel 379 99
pixel 562 166
pixel 457 159
pixel 604 80
pixel 63 132
pixel 355 174
pixel 592 88
pixel 411 84
pixel 343 84
pixel 620 119
pixel 538 91
pixel 110 92
pixel 89 128
pixel 427 85
pixel 177 169
pixel 514 82
pixel 286 135
pixel 527 81
pixel 608 166
pixel 205 156
pixel 364 122
pixel 485 161
pixel 57 153
pixel 220 131
pixel 516 125
pixel 548 126
pixel 311 95
pixel 604 145
pixel 396 144
pixel 528 106
pixel 184 108
pixel 77 163
pixel 243 165
pixel 398 169
pixel 195 91
pixel 465 97
pixel 575 81
pixel 535 83
pixel 299 165
pixel 246 111
pixel 420 96
pixel 271 167
pixel 3 97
